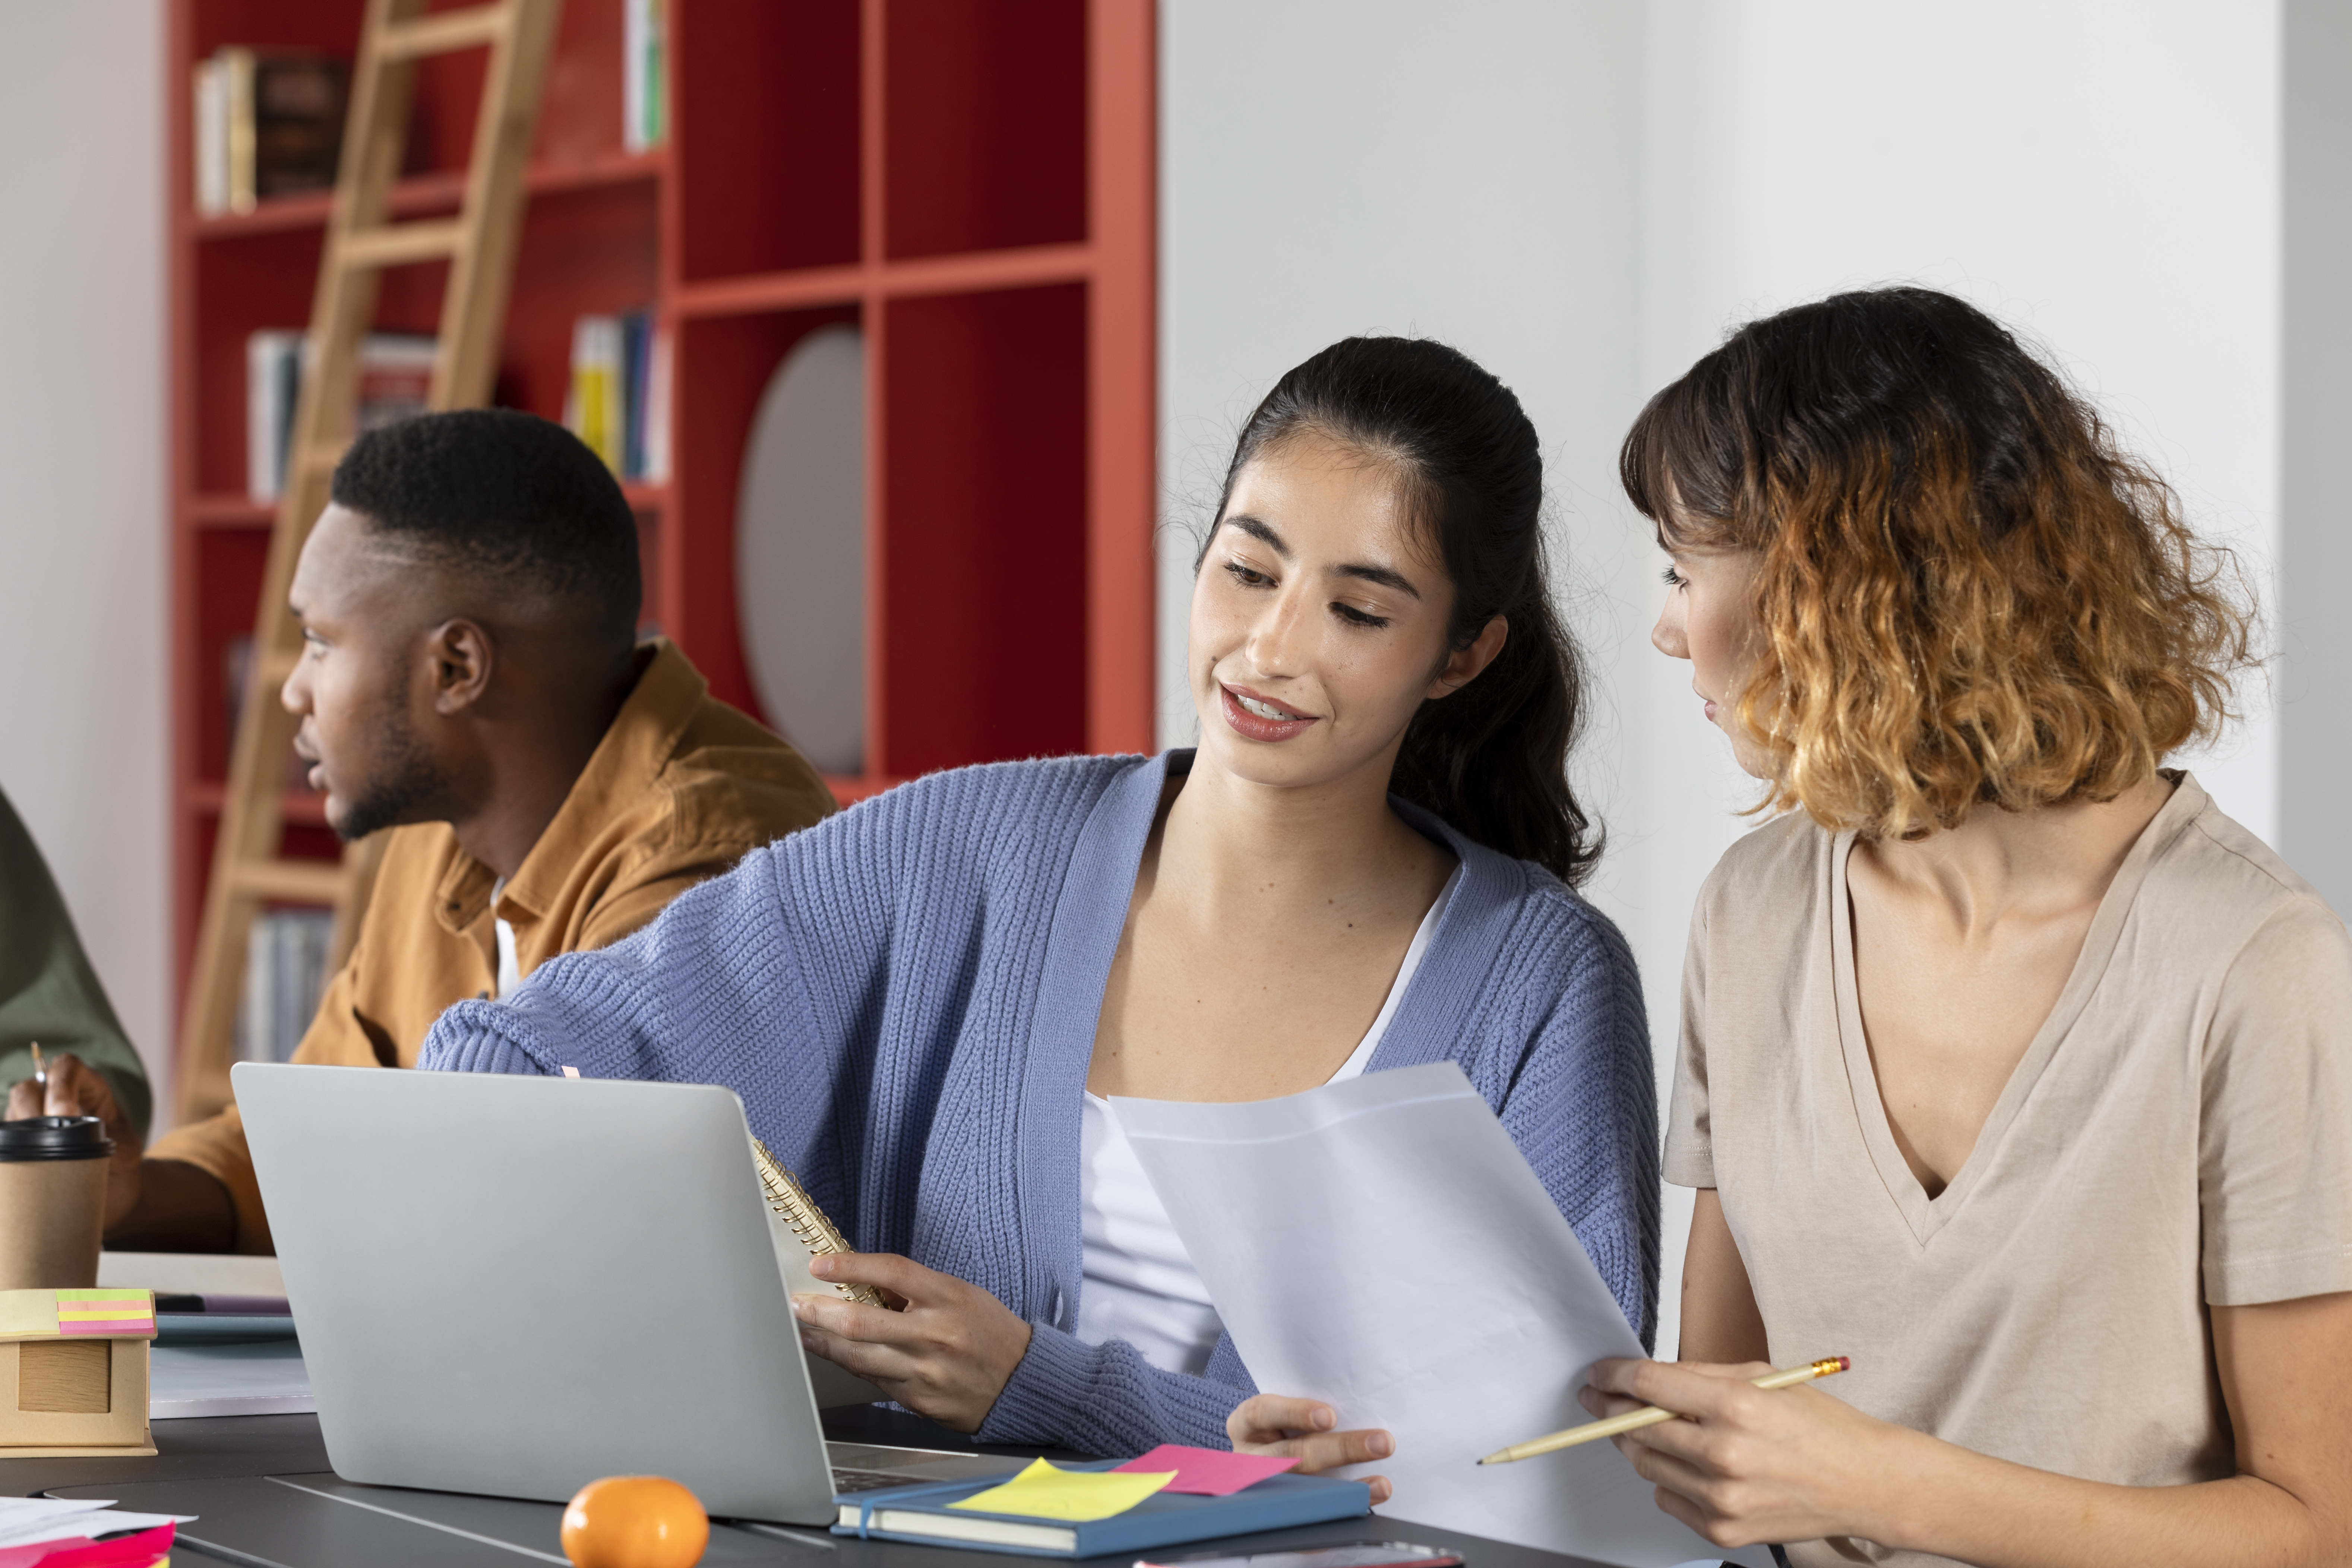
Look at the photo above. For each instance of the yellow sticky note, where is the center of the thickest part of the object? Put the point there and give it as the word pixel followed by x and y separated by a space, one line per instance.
pixel 28 1313
pixel 1041 1491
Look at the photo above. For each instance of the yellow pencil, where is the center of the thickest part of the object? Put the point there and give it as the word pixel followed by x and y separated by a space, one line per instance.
pixel 1650 1415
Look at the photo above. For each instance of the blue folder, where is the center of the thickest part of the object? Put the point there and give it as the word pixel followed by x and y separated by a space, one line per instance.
pixel 1163 1519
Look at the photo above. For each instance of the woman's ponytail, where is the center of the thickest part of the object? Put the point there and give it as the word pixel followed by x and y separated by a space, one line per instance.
pixel 1491 759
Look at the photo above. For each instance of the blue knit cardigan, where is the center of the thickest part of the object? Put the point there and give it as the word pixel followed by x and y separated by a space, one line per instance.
pixel 905 996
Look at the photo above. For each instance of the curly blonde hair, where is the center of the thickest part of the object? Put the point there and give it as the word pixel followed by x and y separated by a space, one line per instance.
pixel 1966 592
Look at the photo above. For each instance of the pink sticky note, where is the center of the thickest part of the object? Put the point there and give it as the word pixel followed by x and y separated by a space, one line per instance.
pixel 1209 1471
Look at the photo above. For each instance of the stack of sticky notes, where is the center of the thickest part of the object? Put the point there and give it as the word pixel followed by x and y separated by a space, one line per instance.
pixel 73 1372
pixel 107 1314
pixel 1165 1497
pixel 113 1313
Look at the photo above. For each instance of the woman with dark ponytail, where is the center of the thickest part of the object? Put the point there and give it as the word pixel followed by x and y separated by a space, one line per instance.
pixel 1368 862
pixel 1491 759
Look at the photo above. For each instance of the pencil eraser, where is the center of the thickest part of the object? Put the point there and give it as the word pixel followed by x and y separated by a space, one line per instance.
pixel 1845 1363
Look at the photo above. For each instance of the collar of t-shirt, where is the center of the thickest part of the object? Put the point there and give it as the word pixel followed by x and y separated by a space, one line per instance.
pixel 509 967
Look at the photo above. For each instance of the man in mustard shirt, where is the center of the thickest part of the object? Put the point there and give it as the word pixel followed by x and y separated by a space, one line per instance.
pixel 471 682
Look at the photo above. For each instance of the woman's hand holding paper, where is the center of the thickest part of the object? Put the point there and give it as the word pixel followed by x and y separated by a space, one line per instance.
pixel 947 1355
pixel 1301 1429
pixel 1748 1464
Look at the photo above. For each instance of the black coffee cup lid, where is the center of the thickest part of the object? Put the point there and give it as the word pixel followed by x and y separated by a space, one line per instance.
pixel 55 1138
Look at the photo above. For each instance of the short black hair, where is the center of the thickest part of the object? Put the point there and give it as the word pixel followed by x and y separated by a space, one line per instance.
pixel 509 494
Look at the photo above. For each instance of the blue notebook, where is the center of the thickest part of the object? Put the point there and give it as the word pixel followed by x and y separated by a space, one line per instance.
pixel 1163 1519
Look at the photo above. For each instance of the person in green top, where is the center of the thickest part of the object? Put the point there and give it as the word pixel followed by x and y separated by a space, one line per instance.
pixel 50 995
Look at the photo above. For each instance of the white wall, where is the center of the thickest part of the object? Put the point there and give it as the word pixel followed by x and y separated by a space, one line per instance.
pixel 1587 196
pixel 1465 173
pixel 2315 548
pixel 83 720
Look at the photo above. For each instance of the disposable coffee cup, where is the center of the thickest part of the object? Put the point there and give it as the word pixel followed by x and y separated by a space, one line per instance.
pixel 52 1201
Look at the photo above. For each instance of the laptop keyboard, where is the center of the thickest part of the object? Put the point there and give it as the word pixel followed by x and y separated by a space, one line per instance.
pixel 869 1480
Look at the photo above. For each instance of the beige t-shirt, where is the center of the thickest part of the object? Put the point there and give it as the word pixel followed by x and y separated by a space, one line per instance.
pixel 2179 1134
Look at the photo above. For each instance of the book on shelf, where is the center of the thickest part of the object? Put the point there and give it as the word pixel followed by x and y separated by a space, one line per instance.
pixel 636 339
pixel 618 400
pixel 267 124
pixel 644 107
pixel 395 381
pixel 210 101
pixel 273 378
pixel 654 423
pixel 285 971
pixel 593 408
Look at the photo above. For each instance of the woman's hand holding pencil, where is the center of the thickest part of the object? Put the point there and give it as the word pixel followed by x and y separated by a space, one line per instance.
pixel 1748 1463
pixel 1651 1414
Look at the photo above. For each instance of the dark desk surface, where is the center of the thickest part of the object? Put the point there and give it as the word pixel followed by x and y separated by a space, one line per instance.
pixel 268 1498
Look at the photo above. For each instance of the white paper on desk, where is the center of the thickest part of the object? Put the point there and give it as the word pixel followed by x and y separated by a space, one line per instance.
pixel 1381 1245
pixel 33 1522
pixel 264 1379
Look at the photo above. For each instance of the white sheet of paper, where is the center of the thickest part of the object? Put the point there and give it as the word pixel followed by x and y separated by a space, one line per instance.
pixel 1381 1245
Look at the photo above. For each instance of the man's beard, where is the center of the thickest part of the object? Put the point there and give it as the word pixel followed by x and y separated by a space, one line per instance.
pixel 406 780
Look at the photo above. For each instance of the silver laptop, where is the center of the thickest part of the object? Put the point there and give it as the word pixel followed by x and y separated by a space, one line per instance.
pixel 514 1286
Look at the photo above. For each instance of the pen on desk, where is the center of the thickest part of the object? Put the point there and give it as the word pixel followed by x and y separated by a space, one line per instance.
pixel 1650 1415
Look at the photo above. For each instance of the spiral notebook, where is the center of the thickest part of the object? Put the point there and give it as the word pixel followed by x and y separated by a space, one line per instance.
pixel 808 1225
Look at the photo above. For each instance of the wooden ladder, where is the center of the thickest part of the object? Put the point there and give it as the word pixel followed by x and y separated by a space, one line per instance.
pixel 478 244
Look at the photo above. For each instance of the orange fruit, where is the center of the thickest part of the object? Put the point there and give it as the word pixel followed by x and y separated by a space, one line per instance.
pixel 634 1521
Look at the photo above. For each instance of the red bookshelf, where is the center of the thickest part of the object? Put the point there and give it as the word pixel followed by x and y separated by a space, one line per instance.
pixel 971 181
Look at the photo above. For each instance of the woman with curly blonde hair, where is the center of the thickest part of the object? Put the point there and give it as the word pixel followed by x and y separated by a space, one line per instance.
pixel 2010 1068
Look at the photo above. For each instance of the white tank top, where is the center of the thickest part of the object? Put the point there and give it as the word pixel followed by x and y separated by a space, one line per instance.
pixel 1139 1284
